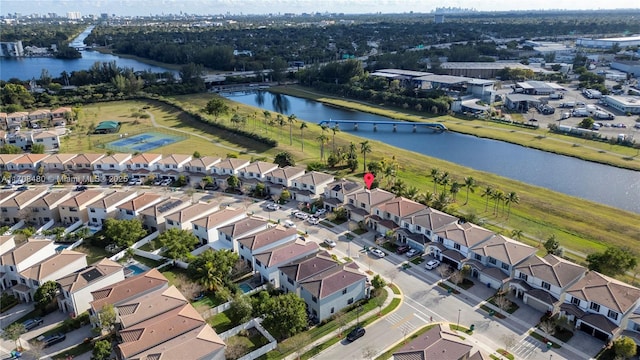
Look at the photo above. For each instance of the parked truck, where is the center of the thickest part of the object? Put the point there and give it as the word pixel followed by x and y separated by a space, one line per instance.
pixel 556 96
pixel 603 115
pixel 580 112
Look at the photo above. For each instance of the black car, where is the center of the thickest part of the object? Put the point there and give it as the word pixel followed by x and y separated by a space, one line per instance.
pixel 81 188
pixel 22 188
pixel 53 339
pixel 356 333
pixel 403 249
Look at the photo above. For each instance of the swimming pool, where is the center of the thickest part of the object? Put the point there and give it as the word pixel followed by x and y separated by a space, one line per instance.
pixel 136 269
pixel 245 287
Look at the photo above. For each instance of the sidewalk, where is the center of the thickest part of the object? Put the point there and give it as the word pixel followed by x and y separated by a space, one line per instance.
pixel 334 333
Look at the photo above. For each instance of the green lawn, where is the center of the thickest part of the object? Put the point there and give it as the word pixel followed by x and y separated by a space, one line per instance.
pixel 221 322
pixel 94 253
pixel 75 351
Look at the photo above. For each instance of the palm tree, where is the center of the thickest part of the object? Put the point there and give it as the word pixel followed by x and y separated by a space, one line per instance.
pixel 516 234
pixel 444 180
pixel 411 193
pixel 267 116
pixel 280 122
pixel 303 125
pixel 470 184
pixel 335 130
pixel 426 198
pixel 511 198
pixel 323 140
pixel 442 201
pixel 435 175
pixel 365 148
pixel 488 191
pixel 291 119
pixel 454 189
pixel 497 196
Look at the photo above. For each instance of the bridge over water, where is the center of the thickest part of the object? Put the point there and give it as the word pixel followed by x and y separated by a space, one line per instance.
pixel 395 124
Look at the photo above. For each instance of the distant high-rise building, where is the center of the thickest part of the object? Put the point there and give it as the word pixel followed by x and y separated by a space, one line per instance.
pixel 74 15
pixel 11 49
pixel 438 18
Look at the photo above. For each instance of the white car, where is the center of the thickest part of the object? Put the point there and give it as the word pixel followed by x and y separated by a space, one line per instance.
pixel 289 224
pixel 313 220
pixel 301 215
pixel 135 182
pixel 158 182
pixel 330 243
pixel 320 212
pixel 432 264
pixel 273 206
pixel 377 252
pixel 166 182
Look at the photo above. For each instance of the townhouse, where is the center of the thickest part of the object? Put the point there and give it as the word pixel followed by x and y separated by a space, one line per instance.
pixel 418 229
pixel 282 178
pixel 46 208
pixel 141 166
pixel 309 187
pixel 386 215
pixel 541 282
pixel 325 285
pixel 256 172
pixel 226 168
pixel 361 204
pixel 453 242
pixel 104 208
pixel 39 118
pixel 206 228
pixel 55 165
pixel 48 138
pixel 182 218
pixel 601 306
pixel 14 209
pixel 199 168
pixel 80 167
pixel 264 240
pixel 26 166
pixel 16 119
pixel 7 243
pixel 23 257
pixel 50 269
pixel 493 260
pixel 6 160
pixel 153 216
pixel 75 209
pixel 171 166
pixel 60 114
pixel 76 287
pixel 112 168
pixel 131 208
pixel 228 235
pixel 336 192
pixel 268 261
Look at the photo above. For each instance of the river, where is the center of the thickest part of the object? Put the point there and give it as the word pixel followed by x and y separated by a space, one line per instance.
pixel 592 181
pixel 28 68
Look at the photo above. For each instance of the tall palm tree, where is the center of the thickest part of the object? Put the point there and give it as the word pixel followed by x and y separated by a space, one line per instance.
pixel 323 140
pixel 488 191
pixel 267 116
pixel 470 184
pixel 335 129
pixel 454 189
pixel 291 119
pixel 303 125
pixel 426 198
pixel 280 122
pixel 365 148
pixel 444 180
pixel 497 196
pixel 511 198
pixel 435 175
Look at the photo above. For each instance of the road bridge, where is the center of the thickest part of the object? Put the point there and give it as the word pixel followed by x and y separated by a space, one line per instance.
pixel 375 123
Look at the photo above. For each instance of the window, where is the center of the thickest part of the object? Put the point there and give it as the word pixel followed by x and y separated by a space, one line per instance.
pixel 595 307
pixel 612 315
pixel 524 277
pixel 332 310
pixel 289 280
pixel 350 301
pixel 477 257
pixel 344 291
pixel 418 228
pixel 546 285
pixel 314 299
pixel 258 263
pixel 406 225
pixel 170 222
pixel 92 210
pixel 456 246
pixel 351 201
pixel 492 261
pixel 505 266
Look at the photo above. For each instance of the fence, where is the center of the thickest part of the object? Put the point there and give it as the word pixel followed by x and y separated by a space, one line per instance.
pixel 224 307
pixel 253 323
pixel 45 226
pixel 145 240
pixel 105 139
pixel 73 227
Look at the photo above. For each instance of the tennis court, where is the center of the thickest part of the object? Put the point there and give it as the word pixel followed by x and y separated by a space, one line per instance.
pixel 144 142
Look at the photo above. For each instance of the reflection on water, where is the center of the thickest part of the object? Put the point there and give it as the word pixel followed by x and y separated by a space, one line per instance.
pixel 280 103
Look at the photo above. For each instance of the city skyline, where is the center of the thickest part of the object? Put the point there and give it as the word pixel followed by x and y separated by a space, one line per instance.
pixel 214 7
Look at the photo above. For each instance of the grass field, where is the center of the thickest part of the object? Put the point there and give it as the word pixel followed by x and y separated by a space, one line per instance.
pixel 582 227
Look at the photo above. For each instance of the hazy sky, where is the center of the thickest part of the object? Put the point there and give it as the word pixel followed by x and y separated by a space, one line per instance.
pixel 153 7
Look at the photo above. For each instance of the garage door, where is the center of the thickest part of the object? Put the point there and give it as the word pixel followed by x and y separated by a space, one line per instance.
pixel 536 304
pixel 594 332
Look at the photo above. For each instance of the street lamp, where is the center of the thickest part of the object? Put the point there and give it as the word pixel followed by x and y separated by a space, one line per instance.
pixel 458 323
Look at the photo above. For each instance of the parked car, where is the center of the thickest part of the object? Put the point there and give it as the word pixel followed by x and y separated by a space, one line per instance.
pixel 432 264
pixel 32 323
pixel 135 182
pixel 330 243
pixel 273 206
pixel 81 188
pixel 403 249
pixel 166 182
pixel 313 220
pixel 412 253
pixel 289 224
pixel 158 182
pixel 377 252
pixel 356 334
pixel 53 339
pixel 199 297
pixel 302 215
pixel 320 212
pixel 22 188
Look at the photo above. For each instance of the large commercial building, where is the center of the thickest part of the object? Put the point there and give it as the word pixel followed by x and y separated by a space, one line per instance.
pixel 608 43
pixel 11 49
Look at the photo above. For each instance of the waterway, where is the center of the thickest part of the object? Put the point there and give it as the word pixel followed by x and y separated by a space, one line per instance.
pixel 29 68
pixel 592 181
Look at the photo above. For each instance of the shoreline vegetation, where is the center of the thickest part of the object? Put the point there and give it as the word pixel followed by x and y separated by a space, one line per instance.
pixel 582 227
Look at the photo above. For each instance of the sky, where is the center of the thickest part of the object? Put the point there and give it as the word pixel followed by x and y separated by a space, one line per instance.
pixel 236 7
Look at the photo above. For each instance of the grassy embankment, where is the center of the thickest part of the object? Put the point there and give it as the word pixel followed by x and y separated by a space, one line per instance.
pixel 581 226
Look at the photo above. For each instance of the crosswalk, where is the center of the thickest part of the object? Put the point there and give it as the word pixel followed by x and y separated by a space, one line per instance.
pixel 406 323
pixel 526 348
